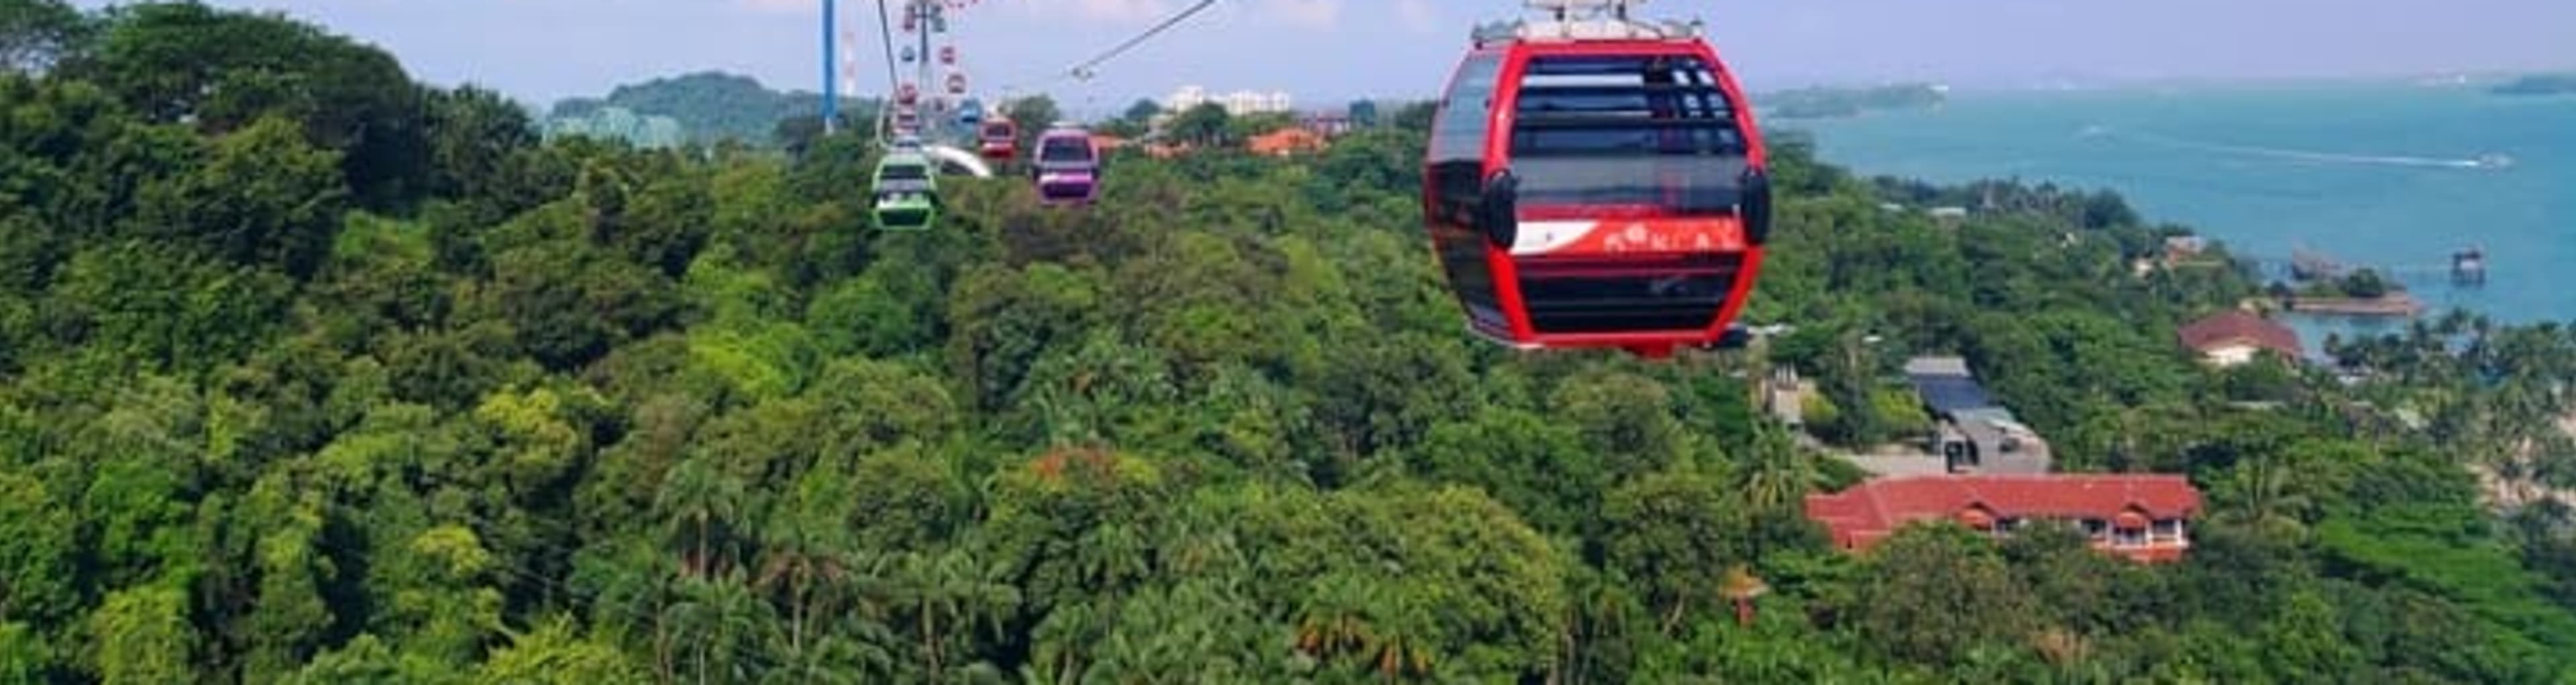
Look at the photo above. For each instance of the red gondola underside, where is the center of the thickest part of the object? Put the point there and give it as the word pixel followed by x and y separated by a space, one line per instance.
pixel 1000 140
pixel 1633 197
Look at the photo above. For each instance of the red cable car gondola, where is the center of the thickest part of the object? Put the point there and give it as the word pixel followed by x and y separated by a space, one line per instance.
pixel 1597 183
pixel 1001 139
pixel 906 95
pixel 956 83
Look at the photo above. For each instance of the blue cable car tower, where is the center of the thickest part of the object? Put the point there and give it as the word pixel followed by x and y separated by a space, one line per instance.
pixel 831 71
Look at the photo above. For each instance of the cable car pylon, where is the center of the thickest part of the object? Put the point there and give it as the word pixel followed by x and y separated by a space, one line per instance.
pixel 831 72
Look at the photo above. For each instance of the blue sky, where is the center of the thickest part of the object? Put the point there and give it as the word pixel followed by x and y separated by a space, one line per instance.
pixel 1329 50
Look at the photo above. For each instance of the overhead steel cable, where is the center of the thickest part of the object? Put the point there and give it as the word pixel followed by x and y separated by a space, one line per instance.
pixel 1079 70
pixel 1083 70
pixel 894 80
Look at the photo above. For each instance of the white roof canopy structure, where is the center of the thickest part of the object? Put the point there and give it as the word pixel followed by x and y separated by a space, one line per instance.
pixel 1574 20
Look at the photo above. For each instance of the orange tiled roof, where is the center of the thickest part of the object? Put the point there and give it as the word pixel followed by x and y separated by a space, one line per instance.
pixel 2237 324
pixel 1861 516
pixel 1286 141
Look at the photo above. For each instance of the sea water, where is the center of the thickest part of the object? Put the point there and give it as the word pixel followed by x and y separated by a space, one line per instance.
pixel 2393 176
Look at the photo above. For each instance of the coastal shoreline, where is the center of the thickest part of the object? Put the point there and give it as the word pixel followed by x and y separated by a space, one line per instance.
pixel 2396 305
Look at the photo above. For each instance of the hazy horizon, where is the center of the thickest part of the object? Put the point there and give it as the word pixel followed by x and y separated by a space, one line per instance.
pixel 1325 51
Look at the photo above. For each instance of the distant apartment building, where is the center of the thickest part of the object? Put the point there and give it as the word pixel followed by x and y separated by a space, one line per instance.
pixel 1327 124
pixel 1237 103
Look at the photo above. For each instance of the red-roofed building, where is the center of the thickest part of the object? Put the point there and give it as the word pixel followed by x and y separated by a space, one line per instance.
pixel 1287 141
pixel 2233 337
pixel 2141 517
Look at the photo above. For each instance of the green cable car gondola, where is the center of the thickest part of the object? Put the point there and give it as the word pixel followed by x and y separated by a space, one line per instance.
pixel 907 192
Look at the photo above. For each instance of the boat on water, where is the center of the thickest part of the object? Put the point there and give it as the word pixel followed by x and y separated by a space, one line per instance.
pixel 2495 160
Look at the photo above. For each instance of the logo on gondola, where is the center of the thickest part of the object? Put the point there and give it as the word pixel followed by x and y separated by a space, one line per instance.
pixel 1663 236
pixel 1636 236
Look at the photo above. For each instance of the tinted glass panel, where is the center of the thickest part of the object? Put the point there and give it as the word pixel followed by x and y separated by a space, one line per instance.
pixel 1066 150
pixel 1594 295
pixel 1652 131
pixel 906 172
pixel 1466 110
pixel 1457 163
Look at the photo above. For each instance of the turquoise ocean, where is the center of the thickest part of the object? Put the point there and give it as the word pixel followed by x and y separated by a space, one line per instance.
pixel 2393 176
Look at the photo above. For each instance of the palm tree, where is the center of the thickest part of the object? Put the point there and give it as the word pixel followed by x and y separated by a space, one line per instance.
pixel 699 503
pixel 2063 648
pixel 1197 631
pixel 1332 616
pixel 1113 554
pixel 1406 625
pixel 1776 476
pixel 1061 641
pixel 806 553
pixel 725 622
pixel 949 591
pixel 2267 499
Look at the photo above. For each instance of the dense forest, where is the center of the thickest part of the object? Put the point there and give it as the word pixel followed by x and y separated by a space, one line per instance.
pixel 311 373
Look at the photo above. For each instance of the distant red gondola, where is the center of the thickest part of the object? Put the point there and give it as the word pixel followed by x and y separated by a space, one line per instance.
pixel 1001 140
pixel 1597 181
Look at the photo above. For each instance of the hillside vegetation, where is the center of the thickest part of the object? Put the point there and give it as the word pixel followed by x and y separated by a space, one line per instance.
pixel 309 374
pixel 710 107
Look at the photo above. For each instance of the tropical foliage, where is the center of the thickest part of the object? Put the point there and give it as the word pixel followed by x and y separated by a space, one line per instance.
pixel 309 373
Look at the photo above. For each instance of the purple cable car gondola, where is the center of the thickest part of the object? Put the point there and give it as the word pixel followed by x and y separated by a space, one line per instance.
pixel 1067 166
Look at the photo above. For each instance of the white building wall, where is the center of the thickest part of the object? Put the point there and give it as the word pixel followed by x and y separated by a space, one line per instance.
pixel 2231 354
pixel 1237 103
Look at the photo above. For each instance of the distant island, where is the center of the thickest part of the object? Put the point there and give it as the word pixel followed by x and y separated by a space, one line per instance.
pixel 2539 84
pixel 705 107
pixel 1834 103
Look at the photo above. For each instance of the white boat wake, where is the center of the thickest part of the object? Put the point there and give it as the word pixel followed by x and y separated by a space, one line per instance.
pixel 2486 161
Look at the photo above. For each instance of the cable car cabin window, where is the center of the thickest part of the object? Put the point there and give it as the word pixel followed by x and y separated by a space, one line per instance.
pixel 1065 150
pixel 997 131
pixel 1466 111
pixel 1627 135
pixel 906 172
pixel 1456 175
